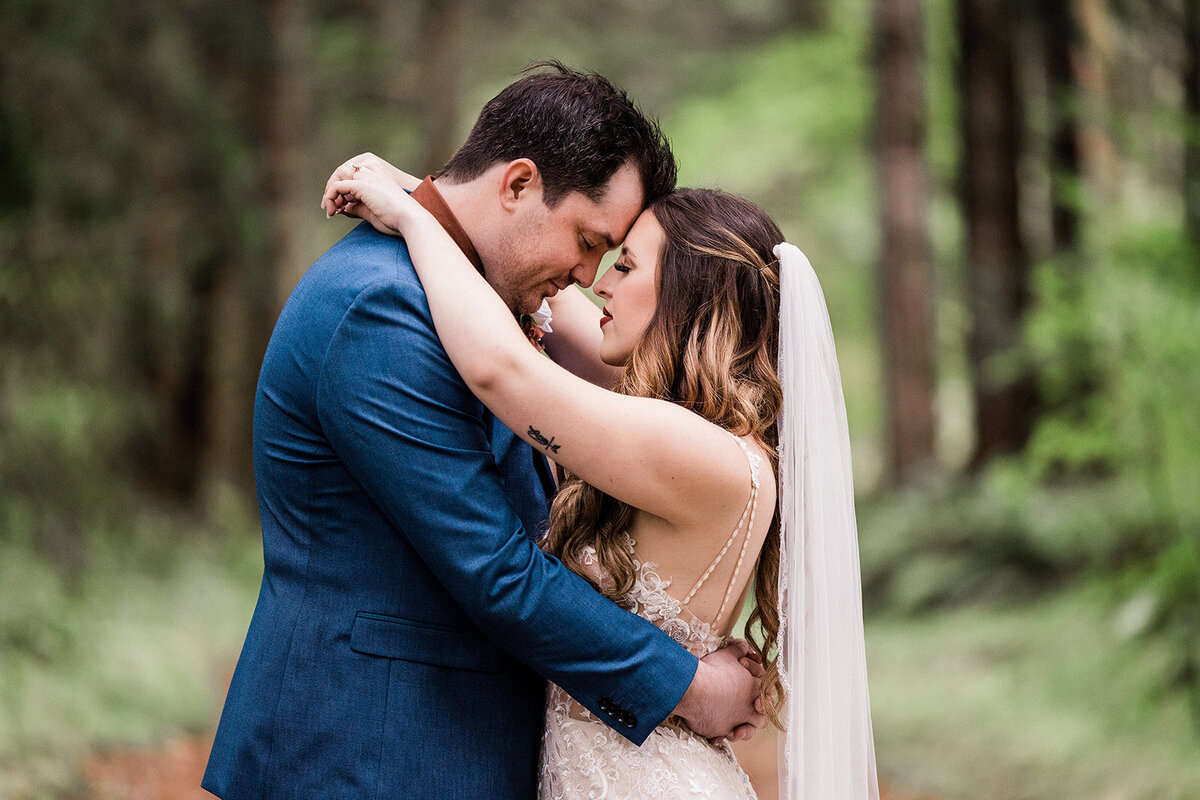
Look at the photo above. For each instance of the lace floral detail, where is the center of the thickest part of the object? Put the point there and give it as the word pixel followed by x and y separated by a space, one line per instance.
pixel 651 600
pixel 584 758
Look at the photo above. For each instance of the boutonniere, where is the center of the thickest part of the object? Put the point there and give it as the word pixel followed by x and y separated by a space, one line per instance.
pixel 537 325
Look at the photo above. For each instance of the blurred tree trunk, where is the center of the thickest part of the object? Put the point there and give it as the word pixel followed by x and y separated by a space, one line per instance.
pixel 205 363
pixel 235 305
pixel 997 266
pixel 808 15
pixel 905 281
pixel 1191 84
pixel 285 127
pixel 1061 37
pixel 442 44
pixel 1097 155
pixel 1058 27
pixel 173 364
pixel 274 99
pixel 229 371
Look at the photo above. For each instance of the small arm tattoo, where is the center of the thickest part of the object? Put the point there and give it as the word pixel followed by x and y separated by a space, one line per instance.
pixel 547 444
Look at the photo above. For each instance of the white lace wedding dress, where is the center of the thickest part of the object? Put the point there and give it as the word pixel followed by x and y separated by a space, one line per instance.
pixel 584 758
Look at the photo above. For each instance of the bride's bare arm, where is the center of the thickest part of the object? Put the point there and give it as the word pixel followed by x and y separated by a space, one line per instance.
pixel 652 454
pixel 575 341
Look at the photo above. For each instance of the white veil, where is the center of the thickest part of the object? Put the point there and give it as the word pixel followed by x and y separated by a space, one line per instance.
pixel 827 752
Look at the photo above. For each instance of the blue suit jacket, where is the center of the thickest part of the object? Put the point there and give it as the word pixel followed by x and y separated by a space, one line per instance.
pixel 405 613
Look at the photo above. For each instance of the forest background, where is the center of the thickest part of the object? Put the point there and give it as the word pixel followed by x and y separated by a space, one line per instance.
pixel 1002 200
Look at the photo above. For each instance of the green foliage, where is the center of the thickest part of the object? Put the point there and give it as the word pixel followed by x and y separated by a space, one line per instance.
pixel 134 649
pixel 124 162
pixel 1052 700
pixel 1107 485
pixel 64 392
pixel 1117 346
pixel 1003 537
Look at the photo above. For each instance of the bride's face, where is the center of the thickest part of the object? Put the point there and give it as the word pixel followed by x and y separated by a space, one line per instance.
pixel 630 290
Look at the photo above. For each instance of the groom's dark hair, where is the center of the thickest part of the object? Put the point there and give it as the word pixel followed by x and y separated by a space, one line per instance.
pixel 575 126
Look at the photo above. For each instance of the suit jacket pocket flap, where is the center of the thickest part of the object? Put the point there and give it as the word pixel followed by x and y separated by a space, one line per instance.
pixel 408 640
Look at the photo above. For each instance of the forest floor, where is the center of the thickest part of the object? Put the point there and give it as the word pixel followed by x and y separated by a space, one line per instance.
pixel 172 771
pixel 1037 701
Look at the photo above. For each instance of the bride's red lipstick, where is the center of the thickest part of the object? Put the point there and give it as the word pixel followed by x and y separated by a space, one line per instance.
pixel 606 318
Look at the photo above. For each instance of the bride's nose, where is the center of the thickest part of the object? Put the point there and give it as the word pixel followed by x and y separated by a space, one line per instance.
pixel 601 286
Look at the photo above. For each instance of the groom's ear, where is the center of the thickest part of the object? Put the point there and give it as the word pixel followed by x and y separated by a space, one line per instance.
pixel 520 182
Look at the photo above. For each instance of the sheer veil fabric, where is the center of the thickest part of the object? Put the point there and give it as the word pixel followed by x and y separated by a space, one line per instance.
pixel 827 752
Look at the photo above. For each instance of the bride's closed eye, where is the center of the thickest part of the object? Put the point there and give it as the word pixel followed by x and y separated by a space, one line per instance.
pixel 619 267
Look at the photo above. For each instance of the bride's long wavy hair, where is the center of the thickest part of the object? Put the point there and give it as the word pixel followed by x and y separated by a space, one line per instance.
pixel 712 347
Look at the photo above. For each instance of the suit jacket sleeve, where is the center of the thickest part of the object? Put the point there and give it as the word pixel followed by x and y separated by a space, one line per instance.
pixel 409 430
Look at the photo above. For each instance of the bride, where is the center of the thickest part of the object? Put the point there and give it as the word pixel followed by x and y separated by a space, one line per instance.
pixel 707 455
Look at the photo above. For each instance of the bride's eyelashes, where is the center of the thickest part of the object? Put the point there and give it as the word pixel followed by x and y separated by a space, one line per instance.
pixel 619 267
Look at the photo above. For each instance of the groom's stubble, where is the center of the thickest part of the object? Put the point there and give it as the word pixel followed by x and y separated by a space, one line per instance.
pixel 544 249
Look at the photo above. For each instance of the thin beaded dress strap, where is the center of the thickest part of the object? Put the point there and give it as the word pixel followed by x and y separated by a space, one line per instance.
pixel 747 513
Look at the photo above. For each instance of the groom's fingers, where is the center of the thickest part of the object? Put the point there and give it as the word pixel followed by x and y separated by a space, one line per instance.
pixel 742 647
pixel 746 650
pixel 754 667
pixel 743 733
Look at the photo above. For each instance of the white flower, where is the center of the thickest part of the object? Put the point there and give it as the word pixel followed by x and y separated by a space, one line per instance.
pixel 541 317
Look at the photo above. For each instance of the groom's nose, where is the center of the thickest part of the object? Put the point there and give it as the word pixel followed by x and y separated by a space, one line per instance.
pixel 584 273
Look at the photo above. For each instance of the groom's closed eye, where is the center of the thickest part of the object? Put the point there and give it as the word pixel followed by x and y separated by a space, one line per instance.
pixel 594 239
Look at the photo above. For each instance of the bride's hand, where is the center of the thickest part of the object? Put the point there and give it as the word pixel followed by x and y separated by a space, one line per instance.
pixel 333 202
pixel 368 194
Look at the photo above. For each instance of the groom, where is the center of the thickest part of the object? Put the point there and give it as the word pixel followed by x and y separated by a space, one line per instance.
pixel 406 616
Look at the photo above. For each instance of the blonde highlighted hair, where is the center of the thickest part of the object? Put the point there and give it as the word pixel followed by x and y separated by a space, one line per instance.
pixel 712 347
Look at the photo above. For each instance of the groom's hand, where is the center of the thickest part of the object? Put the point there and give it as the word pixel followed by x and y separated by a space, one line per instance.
pixel 723 699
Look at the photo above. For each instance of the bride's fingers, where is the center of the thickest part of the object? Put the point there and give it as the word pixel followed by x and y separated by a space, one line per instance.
pixel 345 171
pixel 329 197
pixel 336 204
pixel 336 197
pixel 352 191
